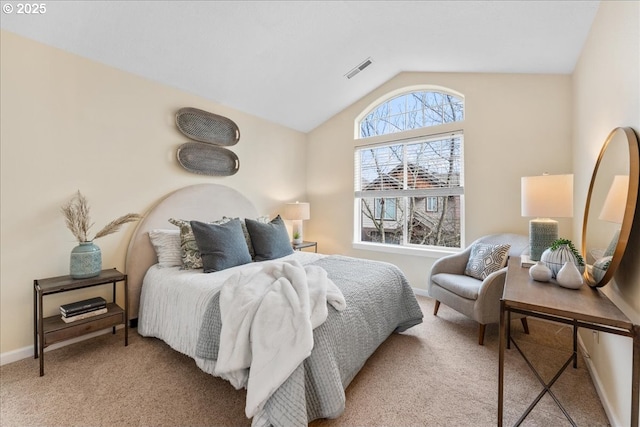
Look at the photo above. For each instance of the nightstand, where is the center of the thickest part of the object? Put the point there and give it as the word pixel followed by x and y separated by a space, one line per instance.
pixel 50 330
pixel 301 246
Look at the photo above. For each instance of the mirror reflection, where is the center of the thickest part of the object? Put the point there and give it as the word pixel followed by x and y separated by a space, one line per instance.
pixel 609 212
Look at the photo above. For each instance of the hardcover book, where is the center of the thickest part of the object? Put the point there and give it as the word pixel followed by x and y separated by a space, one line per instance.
pixel 82 306
pixel 88 310
pixel 84 315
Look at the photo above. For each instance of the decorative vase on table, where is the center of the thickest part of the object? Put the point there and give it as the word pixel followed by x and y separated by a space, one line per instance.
pixel 569 276
pixel 559 253
pixel 540 272
pixel 86 258
pixel 85 261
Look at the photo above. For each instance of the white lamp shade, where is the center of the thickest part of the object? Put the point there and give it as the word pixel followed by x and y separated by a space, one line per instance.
pixel 547 196
pixel 297 211
pixel 616 201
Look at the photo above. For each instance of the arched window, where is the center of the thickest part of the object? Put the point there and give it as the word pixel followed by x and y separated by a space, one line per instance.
pixel 412 110
pixel 409 185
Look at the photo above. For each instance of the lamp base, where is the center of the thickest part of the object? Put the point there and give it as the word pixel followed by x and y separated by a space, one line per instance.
pixel 542 233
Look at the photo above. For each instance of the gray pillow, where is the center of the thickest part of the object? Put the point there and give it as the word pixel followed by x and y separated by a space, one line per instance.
pixel 270 241
pixel 221 246
pixel 486 259
pixel 247 237
pixel 190 254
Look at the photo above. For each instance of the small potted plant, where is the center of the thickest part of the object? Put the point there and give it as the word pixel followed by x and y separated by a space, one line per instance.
pixel 296 238
pixel 86 258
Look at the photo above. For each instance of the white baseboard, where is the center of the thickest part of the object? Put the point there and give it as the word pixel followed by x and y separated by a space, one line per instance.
pixel 613 421
pixel 26 352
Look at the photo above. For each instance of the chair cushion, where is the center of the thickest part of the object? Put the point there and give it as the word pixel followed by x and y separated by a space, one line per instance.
pixel 464 286
pixel 486 259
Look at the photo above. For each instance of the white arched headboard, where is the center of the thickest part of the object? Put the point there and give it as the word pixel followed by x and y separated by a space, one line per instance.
pixel 202 202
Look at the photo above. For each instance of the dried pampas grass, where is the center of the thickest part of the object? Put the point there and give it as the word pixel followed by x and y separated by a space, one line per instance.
pixel 76 215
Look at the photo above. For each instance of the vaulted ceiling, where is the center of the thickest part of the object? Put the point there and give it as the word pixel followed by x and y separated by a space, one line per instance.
pixel 286 61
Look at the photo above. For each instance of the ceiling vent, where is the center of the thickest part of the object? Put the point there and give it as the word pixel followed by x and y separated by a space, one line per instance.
pixel 359 68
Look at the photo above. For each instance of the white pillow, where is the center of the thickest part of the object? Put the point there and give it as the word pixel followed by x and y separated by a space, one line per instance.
pixel 167 246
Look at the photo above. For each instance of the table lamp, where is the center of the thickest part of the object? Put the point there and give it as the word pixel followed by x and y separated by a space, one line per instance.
pixel 544 197
pixel 297 212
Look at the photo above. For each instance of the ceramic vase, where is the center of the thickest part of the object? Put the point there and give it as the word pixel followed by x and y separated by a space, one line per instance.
pixel 85 261
pixel 569 276
pixel 555 260
pixel 540 272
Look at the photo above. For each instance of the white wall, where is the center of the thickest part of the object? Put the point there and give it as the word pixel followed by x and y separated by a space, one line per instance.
pixel 515 125
pixel 606 94
pixel 70 124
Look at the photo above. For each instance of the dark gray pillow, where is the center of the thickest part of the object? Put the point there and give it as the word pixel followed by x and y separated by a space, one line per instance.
pixel 221 246
pixel 270 241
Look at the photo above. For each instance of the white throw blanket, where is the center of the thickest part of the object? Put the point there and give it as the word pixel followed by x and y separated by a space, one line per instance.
pixel 268 315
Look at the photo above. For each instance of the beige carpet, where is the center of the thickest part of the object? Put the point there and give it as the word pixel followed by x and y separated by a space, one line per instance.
pixel 435 374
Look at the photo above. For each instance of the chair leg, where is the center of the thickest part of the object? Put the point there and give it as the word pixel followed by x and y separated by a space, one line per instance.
pixel 525 325
pixel 481 328
pixel 436 307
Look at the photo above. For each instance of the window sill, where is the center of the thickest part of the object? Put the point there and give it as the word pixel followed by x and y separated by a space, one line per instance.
pixel 406 250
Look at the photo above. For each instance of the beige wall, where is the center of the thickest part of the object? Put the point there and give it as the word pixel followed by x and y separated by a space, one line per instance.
pixel 515 125
pixel 606 94
pixel 69 123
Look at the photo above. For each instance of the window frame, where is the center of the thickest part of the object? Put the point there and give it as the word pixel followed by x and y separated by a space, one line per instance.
pixel 376 213
pixel 412 135
pixel 432 199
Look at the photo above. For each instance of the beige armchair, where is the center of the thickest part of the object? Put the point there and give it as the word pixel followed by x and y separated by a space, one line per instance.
pixel 477 299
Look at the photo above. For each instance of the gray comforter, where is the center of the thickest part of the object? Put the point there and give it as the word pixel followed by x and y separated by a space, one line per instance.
pixel 379 302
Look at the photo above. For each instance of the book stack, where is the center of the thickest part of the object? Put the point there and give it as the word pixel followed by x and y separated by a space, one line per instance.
pixel 83 309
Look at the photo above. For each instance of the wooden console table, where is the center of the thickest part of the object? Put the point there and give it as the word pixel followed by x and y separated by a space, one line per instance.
pixel 583 308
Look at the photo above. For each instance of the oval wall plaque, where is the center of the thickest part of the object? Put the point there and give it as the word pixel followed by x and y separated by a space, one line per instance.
pixel 203 126
pixel 207 159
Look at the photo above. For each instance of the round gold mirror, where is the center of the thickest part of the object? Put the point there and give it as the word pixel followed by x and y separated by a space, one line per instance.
pixel 611 205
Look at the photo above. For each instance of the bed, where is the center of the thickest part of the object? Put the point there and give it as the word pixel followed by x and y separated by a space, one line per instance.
pixel 366 301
